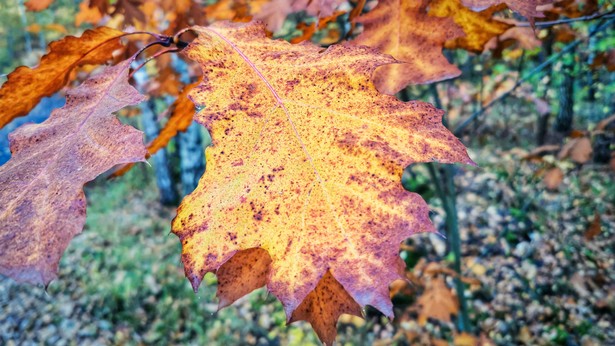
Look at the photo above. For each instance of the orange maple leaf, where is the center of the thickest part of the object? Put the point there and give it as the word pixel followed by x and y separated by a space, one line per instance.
pixel 41 186
pixel 437 302
pixel 88 14
pixel 30 85
pixel 306 165
pixel 403 29
pixel 37 5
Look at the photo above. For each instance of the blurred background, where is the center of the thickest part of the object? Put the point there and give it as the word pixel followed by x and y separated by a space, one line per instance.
pixel 528 254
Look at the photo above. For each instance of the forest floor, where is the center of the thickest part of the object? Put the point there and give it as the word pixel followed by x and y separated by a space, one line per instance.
pixel 534 274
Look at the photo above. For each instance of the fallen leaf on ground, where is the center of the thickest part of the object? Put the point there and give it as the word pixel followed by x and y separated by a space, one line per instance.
pixel 594 228
pixel 438 301
pixel 553 178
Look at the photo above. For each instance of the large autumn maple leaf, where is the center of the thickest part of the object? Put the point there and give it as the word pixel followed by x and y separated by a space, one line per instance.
pixel 302 190
pixel 41 186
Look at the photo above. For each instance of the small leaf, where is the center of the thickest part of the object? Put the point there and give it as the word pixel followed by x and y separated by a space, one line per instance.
pixel 553 178
pixel 41 186
pixel 581 151
pixel 437 302
pixel 37 5
pixel 30 85
pixel 479 27
pixel 594 228
pixel 526 8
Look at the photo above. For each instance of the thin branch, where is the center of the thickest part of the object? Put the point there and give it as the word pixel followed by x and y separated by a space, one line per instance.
pixel 157 54
pixel 459 129
pixel 597 15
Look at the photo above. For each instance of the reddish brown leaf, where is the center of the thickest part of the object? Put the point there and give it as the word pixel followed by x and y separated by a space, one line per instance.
pixel 437 302
pixel 572 8
pixel 30 85
pixel 130 10
pixel 403 29
pixel 527 8
pixel 306 164
pixel 324 305
pixel 606 59
pixel 594 228
pixel 553 178
pixel 41 186
pixel 581 151
pixel 578 149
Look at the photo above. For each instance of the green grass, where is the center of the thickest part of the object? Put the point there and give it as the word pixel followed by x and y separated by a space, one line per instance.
pixel 125 271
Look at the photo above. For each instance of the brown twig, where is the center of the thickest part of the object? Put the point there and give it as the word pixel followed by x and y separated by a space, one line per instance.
pixel 597 15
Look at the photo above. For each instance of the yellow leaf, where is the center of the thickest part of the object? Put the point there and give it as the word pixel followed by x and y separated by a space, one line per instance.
pixel 306 164
pixel 465 339
pixel 479 27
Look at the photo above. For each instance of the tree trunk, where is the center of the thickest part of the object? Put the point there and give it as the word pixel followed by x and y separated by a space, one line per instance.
pixel 164 181
pixel 543 119
pixel 192 157
pixel 24 22
pixel 563 122
pixel 190 143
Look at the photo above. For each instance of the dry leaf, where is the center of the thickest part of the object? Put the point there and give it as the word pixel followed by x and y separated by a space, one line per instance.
pixel 30 85
pixel 403 29
pixel 553 178
pixel 479 27
pixel 306 164
pixel 88 14
pixel 581 151
pixel 526 8
pixel 465 339
pixel 594 228
pixel 438 302
pixel 41 186
pixel 37 5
